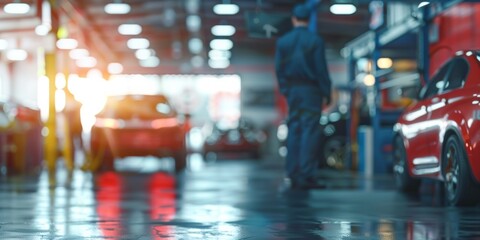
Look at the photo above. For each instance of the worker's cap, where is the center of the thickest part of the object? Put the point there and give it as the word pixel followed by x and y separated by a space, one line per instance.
pixel 301 12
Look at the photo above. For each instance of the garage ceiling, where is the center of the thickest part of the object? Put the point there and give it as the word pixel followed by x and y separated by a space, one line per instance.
pixel 164 25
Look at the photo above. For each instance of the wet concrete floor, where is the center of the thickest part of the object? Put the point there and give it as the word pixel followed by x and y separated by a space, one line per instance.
pixel 226 199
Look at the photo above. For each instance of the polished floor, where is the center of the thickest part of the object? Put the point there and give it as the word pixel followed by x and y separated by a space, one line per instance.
pixel 225 199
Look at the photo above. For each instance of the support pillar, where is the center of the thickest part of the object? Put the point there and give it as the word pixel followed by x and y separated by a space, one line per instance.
pixel 51 123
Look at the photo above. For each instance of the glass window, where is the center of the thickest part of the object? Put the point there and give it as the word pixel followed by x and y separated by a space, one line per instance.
pixel 436 83
pixel 137 106
pixel 458 74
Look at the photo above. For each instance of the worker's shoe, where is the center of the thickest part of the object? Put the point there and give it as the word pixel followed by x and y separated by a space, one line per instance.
pixel 308 184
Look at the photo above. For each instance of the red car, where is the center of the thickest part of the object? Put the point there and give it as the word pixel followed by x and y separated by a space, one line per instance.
pixel 438 137
pixel 138 125
pixel 243 140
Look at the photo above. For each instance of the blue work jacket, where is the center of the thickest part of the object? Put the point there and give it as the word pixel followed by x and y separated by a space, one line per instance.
pixel 301 69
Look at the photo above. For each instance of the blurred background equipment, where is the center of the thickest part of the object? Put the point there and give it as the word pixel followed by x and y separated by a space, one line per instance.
pixel 242 139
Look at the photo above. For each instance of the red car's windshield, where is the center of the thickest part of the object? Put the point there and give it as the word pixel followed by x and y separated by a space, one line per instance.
pixel 137 106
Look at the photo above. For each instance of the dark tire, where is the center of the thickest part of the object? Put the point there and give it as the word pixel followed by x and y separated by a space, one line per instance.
pixel 460 187
pixel 403 180
pixel 180 161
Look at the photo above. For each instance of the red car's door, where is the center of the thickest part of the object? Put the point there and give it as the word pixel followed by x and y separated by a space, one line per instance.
pixel 414 131
pixel 420 127
pixel 445 102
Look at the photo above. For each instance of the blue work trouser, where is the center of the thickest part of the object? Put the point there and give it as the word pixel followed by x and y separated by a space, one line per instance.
pixel 303 142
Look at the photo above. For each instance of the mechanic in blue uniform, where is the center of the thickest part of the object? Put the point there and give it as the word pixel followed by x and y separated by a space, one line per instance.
pixel 304 80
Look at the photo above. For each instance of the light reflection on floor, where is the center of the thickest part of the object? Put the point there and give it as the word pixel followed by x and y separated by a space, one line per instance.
pixel 234 199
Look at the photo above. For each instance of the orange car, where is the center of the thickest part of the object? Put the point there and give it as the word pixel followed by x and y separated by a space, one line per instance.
pixel 138 125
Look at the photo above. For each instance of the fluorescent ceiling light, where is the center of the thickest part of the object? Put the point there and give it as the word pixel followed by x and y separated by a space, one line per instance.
pixel 3 44
pixel 143 54
pixel 218 63
pixel 78 53
pixel 223 30
pixel 221 44
pixel 150 62
pixel 60 81
pixel 169 16
pixel 129 29
pixel 369 80
pixel 343 9
pixel 192 6
pixel 197 61
pixel 46 26
pixel 17 55
pixel 384 63
pixel 117 8
pixel 195 45
pixel 16 8
pixel 87 62
pixel 219 54
pixel 194 23
pixel 226 9
pixel 115 68
pixel 67 43
pixel 138 43
pixel 423 4
pixel 42 29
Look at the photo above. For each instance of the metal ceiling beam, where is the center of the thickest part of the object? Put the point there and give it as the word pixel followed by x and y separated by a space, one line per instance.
pixel 98 43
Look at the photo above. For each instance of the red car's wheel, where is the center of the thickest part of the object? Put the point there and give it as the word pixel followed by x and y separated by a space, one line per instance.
pixel 460 188
pixel 404 181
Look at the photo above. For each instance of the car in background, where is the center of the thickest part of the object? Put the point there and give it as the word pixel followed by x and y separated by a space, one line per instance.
pixel 21 139
pixel 138 125
pixel 242 140
pixel 333 148
pixel 438 137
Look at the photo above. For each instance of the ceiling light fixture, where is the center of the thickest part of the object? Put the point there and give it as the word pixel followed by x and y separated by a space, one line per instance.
pixel 219 54
pixel 3 44
pixel 129 29
pixel 221 44
pixel 42 30
pixel 17 55
pixel 369 80
pixel 226 9
pixel 223 30
pixel 195 45
pixel 218 64
pixel 423 4
pixel 115 68
pixel 78 53
pixel 194 22
pixel 197 61
pixel 138 43
pixel 384 63
pixel 67 43
pixel 192 6
pixel 87 62
pixel 150 62
pixel 16 8
pixel 117 8
pixel 143 54
pixel 46 26
pixel 343 9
